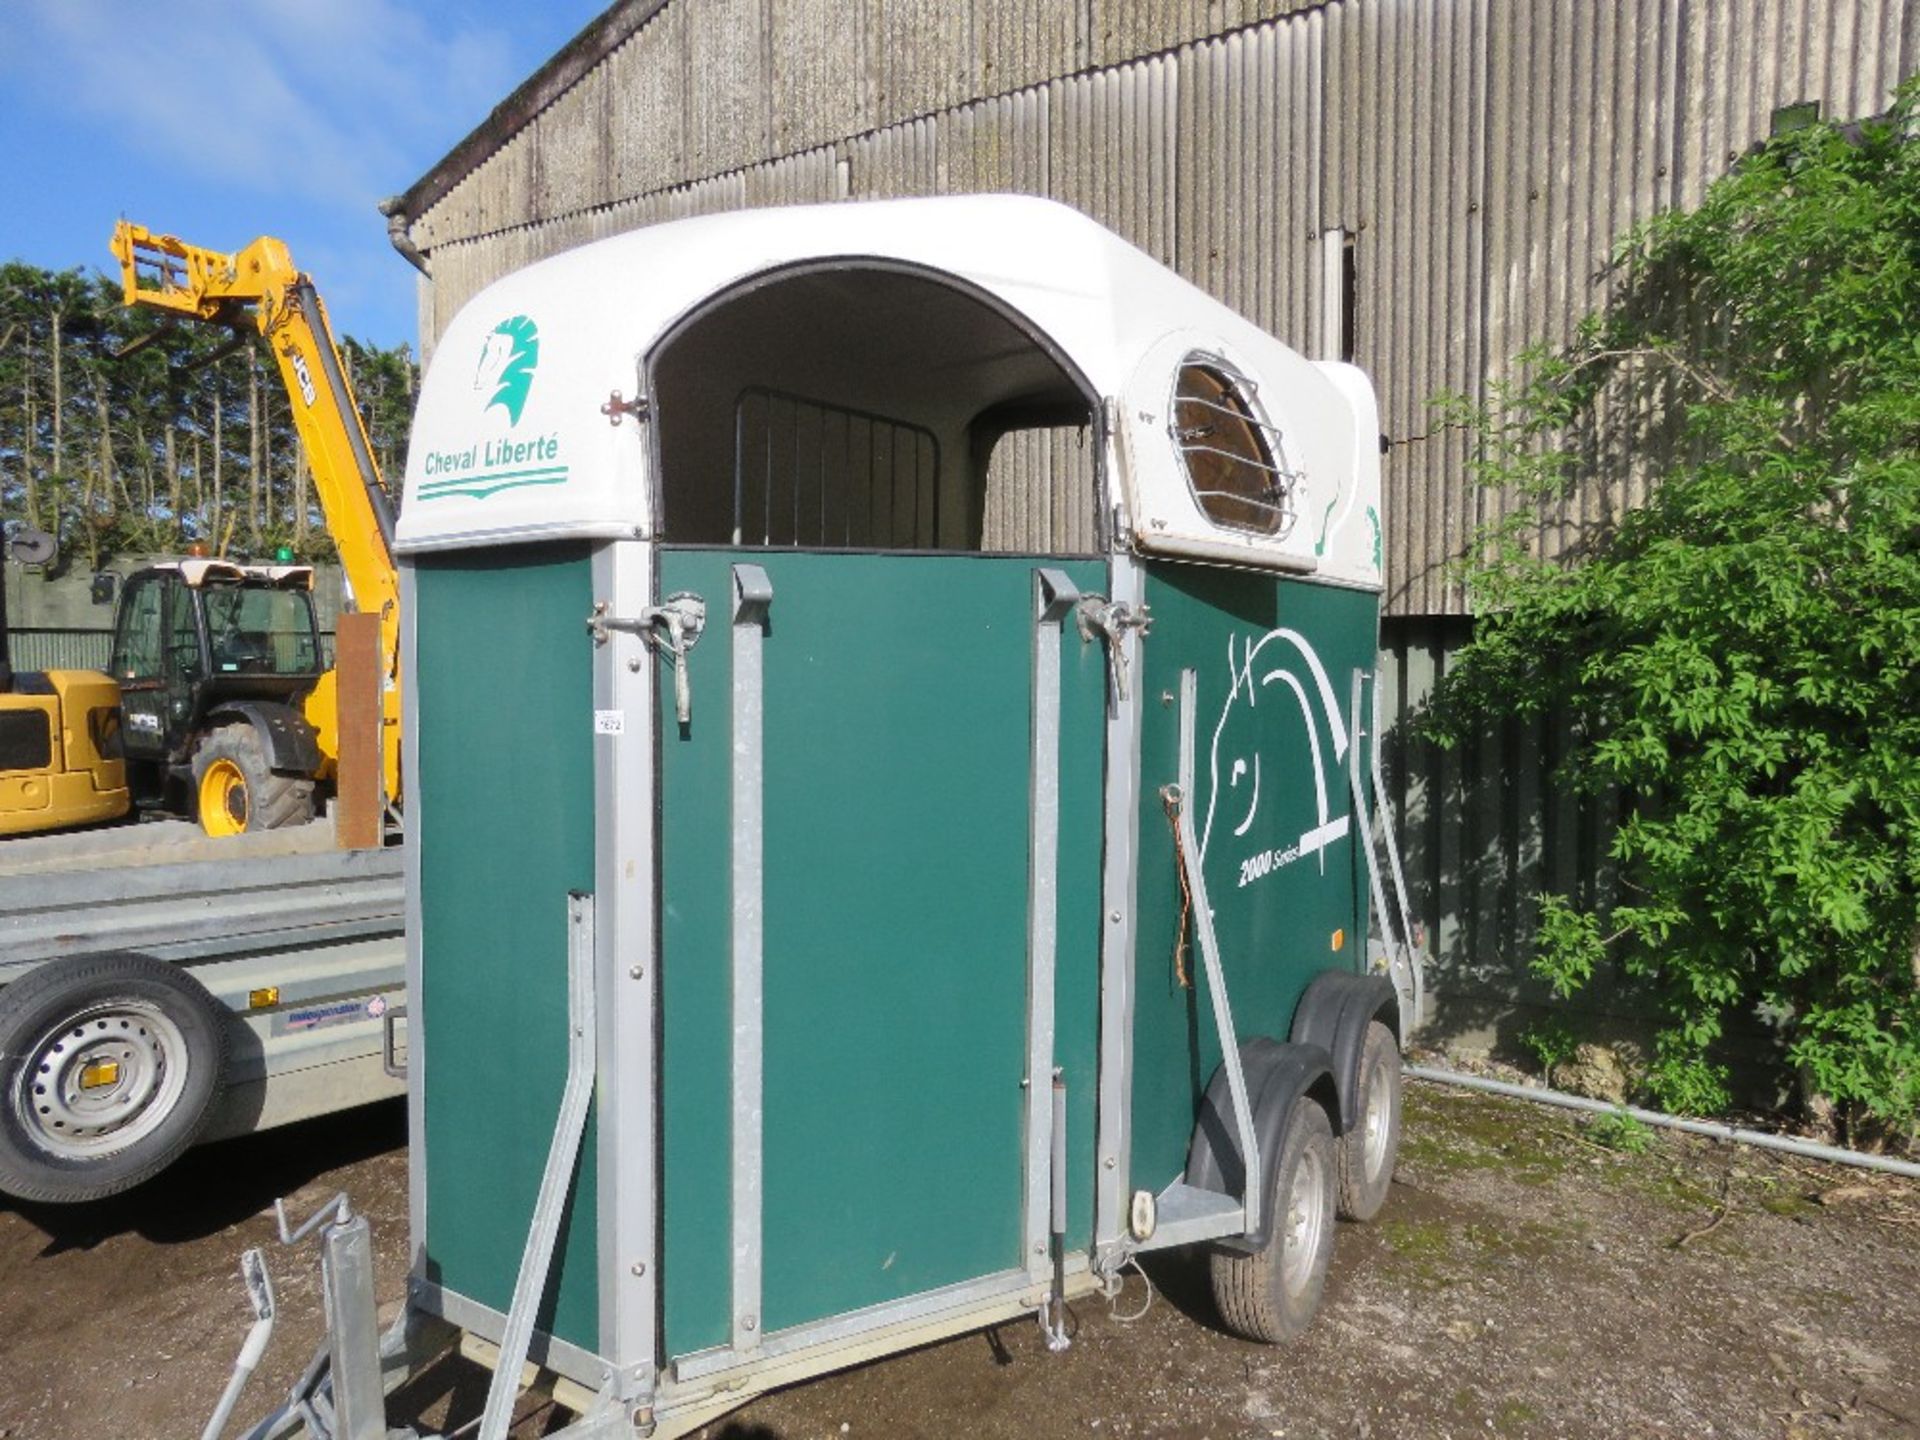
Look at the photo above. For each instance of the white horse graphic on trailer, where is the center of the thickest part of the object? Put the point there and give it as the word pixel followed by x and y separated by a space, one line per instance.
pixel 1281 655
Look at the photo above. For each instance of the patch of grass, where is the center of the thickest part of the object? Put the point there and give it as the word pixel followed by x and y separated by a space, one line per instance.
pixel 1422 1250
pixel 1672 1186
pixel 1438 1252
pixel 1623 1132
pixel 1457 1134
pixel 1513 1415
pixel 1417 1239
pixel 1535 1240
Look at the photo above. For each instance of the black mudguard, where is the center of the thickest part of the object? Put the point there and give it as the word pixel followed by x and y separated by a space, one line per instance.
pixel 1333 1014
pixel 1276 1076
pixel 291 745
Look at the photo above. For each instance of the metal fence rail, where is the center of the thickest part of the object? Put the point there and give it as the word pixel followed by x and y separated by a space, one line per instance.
pixel 35 648
pixel 51 648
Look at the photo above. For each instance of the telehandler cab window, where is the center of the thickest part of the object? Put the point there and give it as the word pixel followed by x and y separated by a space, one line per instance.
pixel 183 633
pixel 255 631
pixel 137 653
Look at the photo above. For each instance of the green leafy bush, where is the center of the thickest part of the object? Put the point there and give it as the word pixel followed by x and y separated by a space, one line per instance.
pixel 1739 655
pixel 1622 1131
pixel 1551 1042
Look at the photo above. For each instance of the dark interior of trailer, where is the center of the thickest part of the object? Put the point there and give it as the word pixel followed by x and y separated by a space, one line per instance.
pixel 871 407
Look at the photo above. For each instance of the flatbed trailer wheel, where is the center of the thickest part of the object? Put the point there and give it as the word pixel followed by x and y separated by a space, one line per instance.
pixel 1367 1152
pixel 235 791
pixel 109 1068
pixel 1272 1293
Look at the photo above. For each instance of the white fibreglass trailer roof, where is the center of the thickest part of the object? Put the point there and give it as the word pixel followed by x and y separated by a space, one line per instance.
pixel 511 443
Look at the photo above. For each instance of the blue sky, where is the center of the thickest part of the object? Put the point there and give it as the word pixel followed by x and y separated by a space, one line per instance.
pixel 219 121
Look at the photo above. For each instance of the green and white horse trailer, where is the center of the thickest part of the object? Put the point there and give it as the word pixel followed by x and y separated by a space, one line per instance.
pixel 892 790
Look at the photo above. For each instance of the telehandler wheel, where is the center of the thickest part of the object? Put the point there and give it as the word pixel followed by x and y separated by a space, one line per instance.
pixel 109 1067
pixel 234 790
pixel 1271 1294
pixel 1368 1150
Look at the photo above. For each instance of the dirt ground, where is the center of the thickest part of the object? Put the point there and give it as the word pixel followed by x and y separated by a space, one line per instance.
pixel 1523 1281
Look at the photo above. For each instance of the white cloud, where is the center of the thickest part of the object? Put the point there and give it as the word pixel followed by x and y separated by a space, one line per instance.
pixel 335 102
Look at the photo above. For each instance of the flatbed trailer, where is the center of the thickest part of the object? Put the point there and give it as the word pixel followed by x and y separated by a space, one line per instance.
pixel 160 989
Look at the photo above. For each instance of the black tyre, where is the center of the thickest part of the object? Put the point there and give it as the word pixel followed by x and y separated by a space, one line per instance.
pixel 235 791
pixel 1272 1294
pixel 1369 1149
pixel 109 1067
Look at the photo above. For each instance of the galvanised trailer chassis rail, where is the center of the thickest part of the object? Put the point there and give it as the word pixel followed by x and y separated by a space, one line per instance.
pixel 305 952
pixel 199 910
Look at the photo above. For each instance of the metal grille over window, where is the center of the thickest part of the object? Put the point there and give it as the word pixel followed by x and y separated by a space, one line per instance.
pixel 1235 463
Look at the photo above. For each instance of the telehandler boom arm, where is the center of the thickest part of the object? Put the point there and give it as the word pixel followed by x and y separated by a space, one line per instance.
pixel 260 287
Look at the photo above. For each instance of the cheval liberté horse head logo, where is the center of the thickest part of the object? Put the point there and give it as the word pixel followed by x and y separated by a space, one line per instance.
pixel 477 466
pixel 508 358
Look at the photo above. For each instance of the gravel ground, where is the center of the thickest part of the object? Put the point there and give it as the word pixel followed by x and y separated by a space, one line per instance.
pixel 1523 1280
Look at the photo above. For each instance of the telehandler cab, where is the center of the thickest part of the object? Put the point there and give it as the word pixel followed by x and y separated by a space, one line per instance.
pixel 280 706
pixel 213 661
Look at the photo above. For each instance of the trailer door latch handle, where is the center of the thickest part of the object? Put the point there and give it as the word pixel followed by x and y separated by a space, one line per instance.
pixel 1110 620
pixel 673 627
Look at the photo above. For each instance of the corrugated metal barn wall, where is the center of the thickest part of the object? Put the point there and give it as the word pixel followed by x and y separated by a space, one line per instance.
pixel 1481 155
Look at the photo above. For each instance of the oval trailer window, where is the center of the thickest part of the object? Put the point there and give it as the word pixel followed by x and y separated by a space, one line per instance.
pixel 1224 446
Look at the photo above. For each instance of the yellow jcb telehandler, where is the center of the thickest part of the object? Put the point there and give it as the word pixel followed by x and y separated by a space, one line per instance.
pixel 203 631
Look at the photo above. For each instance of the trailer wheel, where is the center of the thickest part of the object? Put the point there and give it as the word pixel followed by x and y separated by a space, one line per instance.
pixel 1272 1293
pixel 109 1068
pixel 235 791
pixel 1367 1151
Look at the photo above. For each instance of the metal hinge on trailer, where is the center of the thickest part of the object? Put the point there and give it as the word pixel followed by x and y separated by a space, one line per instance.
pixel 617 408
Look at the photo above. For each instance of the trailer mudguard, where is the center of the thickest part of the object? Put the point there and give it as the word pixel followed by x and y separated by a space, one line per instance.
pixel 1333 1014
pixel 291 745
pixel 1277 1074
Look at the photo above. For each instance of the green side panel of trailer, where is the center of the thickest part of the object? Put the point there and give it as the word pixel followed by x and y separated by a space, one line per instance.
pixel 896 817
pixel 1281 893
pixel 505 826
